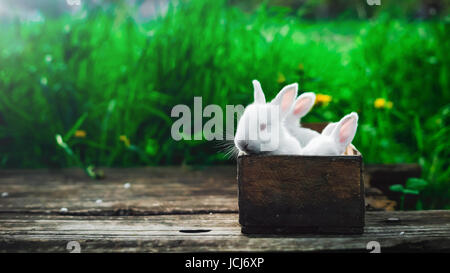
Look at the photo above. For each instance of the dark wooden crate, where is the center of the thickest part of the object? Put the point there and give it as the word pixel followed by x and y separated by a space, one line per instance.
pixel 301 194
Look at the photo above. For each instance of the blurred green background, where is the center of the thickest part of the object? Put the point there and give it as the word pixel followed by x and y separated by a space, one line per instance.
pixel 94 84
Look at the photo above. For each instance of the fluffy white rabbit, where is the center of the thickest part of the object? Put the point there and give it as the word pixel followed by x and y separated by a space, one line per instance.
pixel 261 127
pixel 329 128
pixel 302 106
pixel 334 138
pixel 351 149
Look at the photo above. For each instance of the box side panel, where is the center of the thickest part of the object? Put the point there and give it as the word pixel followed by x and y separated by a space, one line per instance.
pixel 300 191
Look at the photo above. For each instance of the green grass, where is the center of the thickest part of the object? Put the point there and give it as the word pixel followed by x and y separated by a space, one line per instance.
pixel 109 76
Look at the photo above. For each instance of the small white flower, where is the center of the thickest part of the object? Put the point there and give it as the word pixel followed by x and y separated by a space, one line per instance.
pixel 127 185
pixel 63 210
pixel 99 201
pixel 59 139
pixel 5 194
pixel 48 58
pixel 401 233
pixel 44 81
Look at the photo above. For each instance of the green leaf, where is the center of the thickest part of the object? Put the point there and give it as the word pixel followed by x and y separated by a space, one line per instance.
pixel 419 205
pixel 418 132
pixel 77 125
pixel 408 191
pixel 396 188
pixel 152 147
pixel 62 144
pixel 67 149
pixel 416 184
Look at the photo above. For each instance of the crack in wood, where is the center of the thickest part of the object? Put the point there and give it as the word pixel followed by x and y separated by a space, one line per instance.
pixel 120 212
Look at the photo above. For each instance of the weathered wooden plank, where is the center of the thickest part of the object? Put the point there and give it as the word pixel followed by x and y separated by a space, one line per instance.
pixel 414 231
pixel 162 190
pixel 154 190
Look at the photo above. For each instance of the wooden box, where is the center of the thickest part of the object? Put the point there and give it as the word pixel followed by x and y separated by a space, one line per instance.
pixel 301 194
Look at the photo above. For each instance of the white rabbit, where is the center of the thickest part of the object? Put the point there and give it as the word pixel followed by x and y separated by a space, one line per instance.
pixel 261 127
pixel 334 138
pixel 329 128
pixel 351 149
pixel 302 106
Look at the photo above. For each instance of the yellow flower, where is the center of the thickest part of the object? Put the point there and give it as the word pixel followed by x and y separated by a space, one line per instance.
pixel 125 140
pixel 379 103
pixel 281 78
pixel 382 103
pixel 323 99
pixel 80 133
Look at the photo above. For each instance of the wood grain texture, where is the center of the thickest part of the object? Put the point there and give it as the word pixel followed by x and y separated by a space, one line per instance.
pixel 167 209
pixel 285 194
pixel 416 231
pixel 162 190
pixel 153 190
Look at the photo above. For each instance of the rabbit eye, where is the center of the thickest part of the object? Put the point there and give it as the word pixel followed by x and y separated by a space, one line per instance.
pixel 262 127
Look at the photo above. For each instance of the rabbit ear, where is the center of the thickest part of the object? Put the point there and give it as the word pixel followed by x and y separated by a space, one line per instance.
pixel 329 129
pixel 345 131
pixel 285 98
pixel 258 94
pixel 303 104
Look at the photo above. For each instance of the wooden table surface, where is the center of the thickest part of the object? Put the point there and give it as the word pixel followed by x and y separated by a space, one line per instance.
pixel 172 209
